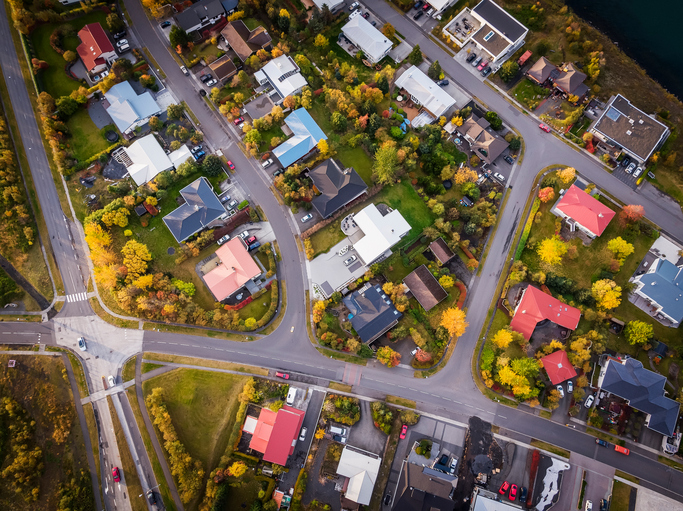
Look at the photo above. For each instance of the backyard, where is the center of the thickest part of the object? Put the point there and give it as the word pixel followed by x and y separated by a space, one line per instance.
pixel 85 140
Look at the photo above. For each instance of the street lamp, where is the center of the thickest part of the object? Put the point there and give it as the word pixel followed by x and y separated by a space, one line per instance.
pixel 142 494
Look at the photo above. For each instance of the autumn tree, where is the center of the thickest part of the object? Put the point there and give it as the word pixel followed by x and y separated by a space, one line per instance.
pixel 136 256
pixel 415 57
pixel 237 469
pixel 502 338
pixel 453 320
pixel 546 194
pixel 620 248
pixel 446 281
pixel 465 175
pixel 386 165
pixel 566 175
pixel 607 294
pixel 388 357
pixel 631 214
pixel 638 332
pixel 321 41
pixel 551 250
pixel 388 30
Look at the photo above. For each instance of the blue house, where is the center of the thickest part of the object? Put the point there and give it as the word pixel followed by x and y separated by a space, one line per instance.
pixel 662 287
pixel 372 312
pixel 306 135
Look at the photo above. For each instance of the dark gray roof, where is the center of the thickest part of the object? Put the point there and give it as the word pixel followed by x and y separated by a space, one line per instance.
pixel 421 492
pixel 644 391
pixel 500 20
pixel 200 209
pixel 665 286
pixel 192 16
pixel 373 312
pixel 425 288
pixel 337 186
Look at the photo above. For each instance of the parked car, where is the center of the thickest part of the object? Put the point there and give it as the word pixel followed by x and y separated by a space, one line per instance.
pixel 121 42
pixel 205 78
pixel 513 492
pixel 202 92
pixel 404 430
pixel 302 436
pixel 454 463
pixel 560 389
pixel 81 344
pixel 124 48
pixel 251 240
pixel 267 163
pixel 499 177
pixel 184 70
pixel 622 450
pixel 504 488
pixel 589 401
pixel 343 250
pixel 509 159
pixel 631 167
pixel 119 35
pixel 387 499
pixel 278 172
pixel 223 239
pixel 150 497
pixel 544 127
pixel 418 15
pixel 115 474
pixel 284 376
pixel 244 235
pixel 199 155
pixel 603 504
pixel 366 15
pixel 625 162
pixel 414 352
pixel 233 204
pixel 487 71
pixel 522 494
pixel 353 6
pixel 589 506
pixel 239 120
pixel 374 23
pixel 225 199
pixel 306 218
pixel 111 381
pixel 483 64
pixel 638 172
pixel 471 57
pixel 442 83
pixel 339 438
pixel 350 260
pixel 570 386
pixel 476 61
pixel 166 24
pixel 254 246
pixel 196 148
pixel 425 6
pixel 430 12
pixel 291 396
pixel 211 82
pixel 601 442
pixel 231 165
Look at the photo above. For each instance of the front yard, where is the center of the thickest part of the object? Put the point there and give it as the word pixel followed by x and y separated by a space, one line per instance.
pixel 86 140
pixel 529 93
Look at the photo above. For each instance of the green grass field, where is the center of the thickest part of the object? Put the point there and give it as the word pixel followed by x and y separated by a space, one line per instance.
pixel 257 308
pixel 621 494
pixel 527 93
pixel 86 140
pixel 358 159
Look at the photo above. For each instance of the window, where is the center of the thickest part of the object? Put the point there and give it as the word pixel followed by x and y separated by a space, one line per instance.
pixel 488 36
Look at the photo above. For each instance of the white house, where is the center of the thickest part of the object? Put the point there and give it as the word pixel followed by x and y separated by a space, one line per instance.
pixel 145 159
pixel 425 92
pixel 129 110
pixel 361 468
pixel 332 5
pixel 359 31
pixel 381 232
pixel 283 75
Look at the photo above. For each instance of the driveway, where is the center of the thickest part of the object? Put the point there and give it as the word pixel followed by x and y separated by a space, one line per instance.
pixel 364 434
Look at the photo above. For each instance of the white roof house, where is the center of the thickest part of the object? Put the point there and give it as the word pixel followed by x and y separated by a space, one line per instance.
pixel 381 232
pixel 360 32
pixel 284 76
pixel 127 109
pixel 361 467
pixel 333 5
pixel 145 159
pixel 424 91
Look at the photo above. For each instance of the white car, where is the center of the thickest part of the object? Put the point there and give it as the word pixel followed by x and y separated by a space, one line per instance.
pixel 81 344
pixel 499 177
pixel 589 506
pixel 638 172
pixel 121 42
pixel 631 167
pixel 350 260
pixel 184 70
pixel 560 389
pixel 353 6
pixel 244 235
pixel 211 82
pixel 343 250
pixel 589 401
pixel 112 381
pixel 267 163
pixel 223 239
pixel 414 352
pixel 306 218
pixel 302 436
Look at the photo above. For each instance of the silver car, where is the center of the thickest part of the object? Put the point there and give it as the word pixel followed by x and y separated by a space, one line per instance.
pixel 350 260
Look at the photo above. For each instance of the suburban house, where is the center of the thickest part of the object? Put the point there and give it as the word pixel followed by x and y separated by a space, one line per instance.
pixel 558 367
pixel 230 6
pixel 624 128
pixel 536 306
pixel 424 92
pixel 381 231
pixel 245 42
pixel 490 500
pixel 306 135
pixel 200 210
pixel 274 434
pixel 493 33
pixel 95 50
pixel 332 5
pixel 145 158
pixel 223 68
pixel 283 76
pixel 336 185
pixel 487 145
pixel 423 489
pixel 424 287
pixel 643 389
pixel 374 44
pixel 360 468
pixel 441 250
pixel 581 211
pixel 662 288
pixel 565 78
pixel 372 312
pixel 129 110
pixel 200 15
pixel 236 268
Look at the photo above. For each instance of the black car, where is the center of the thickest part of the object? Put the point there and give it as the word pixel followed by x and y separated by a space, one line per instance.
pixel 418 15
pixel 206 78
pixel 522 494
pixel 442 83
pixel 119 35
pixel 508 159
pixel 625 162
pixel 202 92
pixel 387 499
pixel 486 71
pixel 150 497
pixel 166 24
pixel 418 4
pixel 471 57
pixel 366 15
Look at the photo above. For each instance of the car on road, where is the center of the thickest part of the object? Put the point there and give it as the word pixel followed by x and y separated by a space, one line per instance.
pixel 499 177
pixel 603 505
pixel 284 376
pixel 81 344
pixel 111 381
pixel 625 162
pixel 202 92
pixel 476 61
pixel 244 235
pixel 486 71
pixel 589 506
pixel 513 492
pixel 471 57
pixel 353 6
pixel 223 239
pixel 622 450
pixel 509 159
pixel 442 83
pixel 115 474
pixel 165 24
pixel 121 42
pixel 350 260
pixel 544 127
pixel 302 436
pixel 560 389
pixel 504 488
pixel 631 167
pixel 184 70
pixel 638 172
pixel 150 497
pixel 404 430
pixel 306 218
pixel 239 120
pixel 570 386
pixel 601 442
pixel 589 401
pixel 232 204
pixel 483 64
pixel 119 35
pixel 418 15
pixel 522 494
pixel 278 172
pixel 231 165
pixel 267 163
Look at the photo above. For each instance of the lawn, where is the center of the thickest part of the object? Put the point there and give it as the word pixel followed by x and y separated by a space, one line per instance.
pixel 251 23
pixel 500 320
pixel 86 140
pixel 398 270
pixel 527 93
pixel 621 495
pixel 358 159
pixel 54 79
pixel 258 307
pixel 266 136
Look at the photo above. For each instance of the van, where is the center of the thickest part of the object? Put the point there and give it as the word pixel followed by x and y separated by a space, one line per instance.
pixel 622 450
pixel 291 396
pixel 335 430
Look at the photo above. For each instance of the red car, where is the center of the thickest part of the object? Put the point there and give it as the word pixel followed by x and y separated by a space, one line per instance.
pixel 504 488
pixel 284 376
pixel 544 127
pixel 483 64
pixel 238 121
pixel 513 492
pixel 404 430
pixel 115 474
pixel 231 165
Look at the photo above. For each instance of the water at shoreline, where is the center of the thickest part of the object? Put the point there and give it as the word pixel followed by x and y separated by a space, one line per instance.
pixel 646 32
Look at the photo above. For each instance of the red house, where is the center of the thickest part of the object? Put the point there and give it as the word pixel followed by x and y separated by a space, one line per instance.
pixel 275 434
pixel 536 306
pixel 584 212
pixel 558 367
pixel 95 50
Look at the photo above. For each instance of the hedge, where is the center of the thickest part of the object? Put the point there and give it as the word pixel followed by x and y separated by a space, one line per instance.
pixel 527 228
pixel 106 151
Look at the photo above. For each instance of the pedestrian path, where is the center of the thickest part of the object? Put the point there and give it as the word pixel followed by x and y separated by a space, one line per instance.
pixel 77 297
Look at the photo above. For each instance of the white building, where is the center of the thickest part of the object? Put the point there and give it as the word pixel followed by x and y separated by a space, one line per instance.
pixel 359 31
pixel 381 232
pixel 145 159
pixel 127 109
pixel 332 5
pixel 284 76
pixel 425 92
pixel 361 468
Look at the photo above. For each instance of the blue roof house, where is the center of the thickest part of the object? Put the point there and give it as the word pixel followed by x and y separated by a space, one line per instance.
pixel 372 313
pixel 306 135
pixel 662 287
pixel 200 210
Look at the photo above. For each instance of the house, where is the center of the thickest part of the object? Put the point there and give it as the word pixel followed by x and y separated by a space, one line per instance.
pixel 274 434
pixel 424 287
pixel 200 209
pixel 643 389
pixel 283 76
pixel 332 5
pixel 488 500
pixel 662 287
pixel 488 146
pixel 306 135
pixel 565 78
pixel 95 50
pixel 423 489
pixel 243 41
pixel 374 44
pixel 536 306
pixel 230 6
pixel 558 367
pixel 624 127
pixel 336 186
pixel 490 29
pixel 129 110
pixel 223 68
pixel 372 313
pixel 440 6
pixel 582 211
pixel 441 250
pixel 200 15
pixel 381 231
pixel 542 71
pixel 360 468
pixel 235 269
pixel 145 159
pixel 424 91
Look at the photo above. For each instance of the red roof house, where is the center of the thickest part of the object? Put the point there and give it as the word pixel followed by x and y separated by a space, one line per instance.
pixel 558 367
pixel 587 213
pixel 95 49
pixel 235 269
pixel 275 434
pixel 535 306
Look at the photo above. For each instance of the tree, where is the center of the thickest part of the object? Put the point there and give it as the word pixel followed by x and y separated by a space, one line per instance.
pixel 388 357
pixel 638 332
pixel 67 106
pixel 551 250
pixel 607 294
pixel 415 57
pixel 339 122
pixel 323 147
pixel 434 71
pixel 465 175
pixel 320 432
pixel 446 281
pixel 212 165
pixel 155 123
pixel 508 70
pixel 383 84
pixel 237 469
pixel 546 194
pixel 283 20
pixel 321 41
pixel 494 120
pixel 174 112
pixel 515 144
pixel 46 104
pixel 386 164
pixel 178 37
pixel 527 367
pixel 502 338
pixel 135 258
pixel 453 320
pixel 631 214
pixel 253 137
pixel 388 30
pixel 620 248
pixel 114 22
pixel 566 175
pixel 70 56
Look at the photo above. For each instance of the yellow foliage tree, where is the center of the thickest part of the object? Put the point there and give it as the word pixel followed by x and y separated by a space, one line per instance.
pixel 453 320
pixel 135 258
pixel 551 250
pixel 465 175
pixel 321 41
pixel 620 248
pixel 607 294
pixel 503 338
pixel 566 175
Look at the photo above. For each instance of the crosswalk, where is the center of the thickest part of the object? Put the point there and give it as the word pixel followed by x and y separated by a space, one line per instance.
pixel 77 297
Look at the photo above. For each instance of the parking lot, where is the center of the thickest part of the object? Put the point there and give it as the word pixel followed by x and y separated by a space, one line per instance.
pixel 424 21
pixel 622 175
pixel 464 53
pixel 515 469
